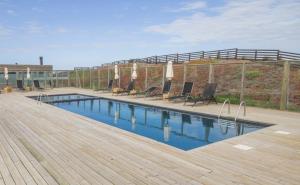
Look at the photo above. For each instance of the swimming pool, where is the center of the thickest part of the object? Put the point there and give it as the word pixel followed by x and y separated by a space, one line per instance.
pixel 178 129
pixel 64 97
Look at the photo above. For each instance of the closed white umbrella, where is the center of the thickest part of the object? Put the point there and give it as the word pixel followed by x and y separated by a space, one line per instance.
pixel 28 73
pixel 134 74
pixel 6 73
pixel 169 73
pixel 116 72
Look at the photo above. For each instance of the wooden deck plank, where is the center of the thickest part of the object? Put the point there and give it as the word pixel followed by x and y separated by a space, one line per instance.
pixel 43 144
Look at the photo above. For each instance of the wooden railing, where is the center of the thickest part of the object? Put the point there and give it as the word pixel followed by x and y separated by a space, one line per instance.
pixel 240 54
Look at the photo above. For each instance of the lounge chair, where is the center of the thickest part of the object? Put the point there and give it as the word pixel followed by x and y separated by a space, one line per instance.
pixel 207 96
pixel 125 91
pixel 147 92
pixel 158 92
pixel 36 84
pixel 186 91
pixel 20 85
pixel 109 86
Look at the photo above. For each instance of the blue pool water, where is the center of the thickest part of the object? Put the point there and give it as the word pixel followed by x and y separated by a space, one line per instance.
pixel 181 130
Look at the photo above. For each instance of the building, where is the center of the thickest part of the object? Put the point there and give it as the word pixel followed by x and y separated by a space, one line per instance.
pixel 43 73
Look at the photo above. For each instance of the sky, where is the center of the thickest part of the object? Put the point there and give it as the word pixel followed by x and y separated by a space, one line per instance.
pixel 86 33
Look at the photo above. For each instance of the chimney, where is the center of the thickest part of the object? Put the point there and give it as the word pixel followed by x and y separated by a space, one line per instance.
pixel 41 61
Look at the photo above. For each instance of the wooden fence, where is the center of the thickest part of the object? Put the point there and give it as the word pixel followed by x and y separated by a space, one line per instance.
pixel 240 54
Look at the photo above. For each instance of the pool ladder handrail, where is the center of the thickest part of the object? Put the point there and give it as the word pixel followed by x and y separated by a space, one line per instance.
pixel 243 103
pixel 227 101
pixel 41 95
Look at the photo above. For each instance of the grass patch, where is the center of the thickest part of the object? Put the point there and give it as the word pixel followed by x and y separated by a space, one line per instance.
pixel 250 75
pixel 235 99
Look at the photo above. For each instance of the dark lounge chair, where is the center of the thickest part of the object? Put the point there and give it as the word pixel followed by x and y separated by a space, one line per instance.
pixel 20 85
pixel 36 84
pixel 126 91
pixel 207 96
pixel 109 86
pixel 186 91
pixel 159 92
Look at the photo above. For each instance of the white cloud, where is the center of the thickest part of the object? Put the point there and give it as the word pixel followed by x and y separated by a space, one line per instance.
pixel 61 30
pixel 4 32
pixel 11 12
pixel 37 9
pixel 191 6
pixel 33 27
pixel 237 21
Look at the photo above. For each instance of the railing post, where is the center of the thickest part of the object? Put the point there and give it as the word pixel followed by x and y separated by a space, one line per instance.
pixel 255 55
pixel 278 55
pixel 177 57
pixel 218 54
pixel 166 58
pixel 202 55
pixel 189 56
pixel 236 53
pixel 155 59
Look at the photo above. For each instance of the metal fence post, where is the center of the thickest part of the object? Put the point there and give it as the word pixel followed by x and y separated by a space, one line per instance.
pixel 68 78
pixel 242 82
pixel 120 77
pixel 108 75
pixel 236 53
pixel 146 77
pixel 56 77
pixel 211 74
pixel 163 75
pixel 90 78
pixel 99 78
pixel 83 73
pixel 76 78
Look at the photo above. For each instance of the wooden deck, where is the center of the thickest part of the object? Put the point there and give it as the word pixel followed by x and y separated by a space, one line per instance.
pixel 42 144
